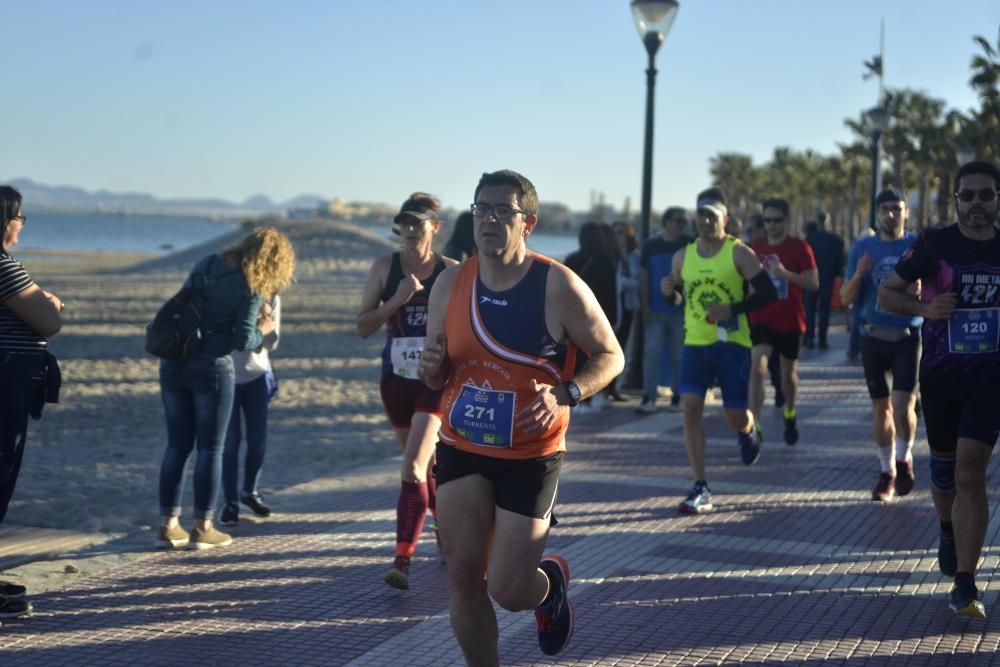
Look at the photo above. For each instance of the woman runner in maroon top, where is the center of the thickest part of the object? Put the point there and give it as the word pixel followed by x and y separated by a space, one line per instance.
pixel 396 294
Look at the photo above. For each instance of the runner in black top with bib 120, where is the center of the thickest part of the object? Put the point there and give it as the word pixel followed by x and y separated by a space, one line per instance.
pixel 959 272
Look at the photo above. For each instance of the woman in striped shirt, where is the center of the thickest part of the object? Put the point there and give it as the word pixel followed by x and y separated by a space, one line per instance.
pixel 28 315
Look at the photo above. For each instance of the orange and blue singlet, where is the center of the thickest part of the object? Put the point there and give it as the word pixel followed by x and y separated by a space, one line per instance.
pixel 497 342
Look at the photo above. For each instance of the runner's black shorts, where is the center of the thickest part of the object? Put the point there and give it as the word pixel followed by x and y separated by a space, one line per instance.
pixel 881 357
pixel 522 486
pixel 964 407
pixel 785 343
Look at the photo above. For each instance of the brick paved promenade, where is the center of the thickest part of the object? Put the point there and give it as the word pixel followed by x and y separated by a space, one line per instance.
pixel 795 566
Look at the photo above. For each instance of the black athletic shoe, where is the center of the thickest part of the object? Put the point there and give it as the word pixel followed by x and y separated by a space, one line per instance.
pixel 256 504
pixel 11 607
pixel 230 515
pixel 749 447
pixel 823 345
pixel 965 600
pixel 947 557
pixel 12 590
pixel 791 431
pixel 555 617
pixel 808 344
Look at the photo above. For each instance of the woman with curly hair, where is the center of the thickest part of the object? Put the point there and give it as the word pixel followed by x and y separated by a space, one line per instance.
pixel 255 385
pixel 396 294
pixel 198 393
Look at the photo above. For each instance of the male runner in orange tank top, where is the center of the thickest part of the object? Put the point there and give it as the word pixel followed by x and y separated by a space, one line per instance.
pixel 502 333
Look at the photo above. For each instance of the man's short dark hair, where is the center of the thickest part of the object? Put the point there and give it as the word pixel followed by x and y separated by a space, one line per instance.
pixel 978 167
pixel 778 203
pixel 527 197
pixel 890 195
pixel 713 193
pixel 675 214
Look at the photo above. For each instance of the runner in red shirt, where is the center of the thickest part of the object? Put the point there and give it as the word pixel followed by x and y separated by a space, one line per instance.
pixel 779 326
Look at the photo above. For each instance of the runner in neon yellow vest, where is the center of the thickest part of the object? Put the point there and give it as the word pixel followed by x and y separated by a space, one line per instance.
pixel 709 275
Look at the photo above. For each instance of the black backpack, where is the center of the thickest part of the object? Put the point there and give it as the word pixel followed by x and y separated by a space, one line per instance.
pixel 175 332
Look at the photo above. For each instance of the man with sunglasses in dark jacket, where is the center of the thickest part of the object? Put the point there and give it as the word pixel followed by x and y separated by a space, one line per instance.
pixel 959 272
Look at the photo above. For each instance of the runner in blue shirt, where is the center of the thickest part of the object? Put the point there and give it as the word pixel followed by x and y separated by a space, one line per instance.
pixel 890 343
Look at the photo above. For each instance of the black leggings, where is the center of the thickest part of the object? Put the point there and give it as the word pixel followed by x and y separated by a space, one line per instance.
pixel 16 387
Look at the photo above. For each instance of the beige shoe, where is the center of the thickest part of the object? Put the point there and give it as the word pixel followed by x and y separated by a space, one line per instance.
pixel 172 538
pixel 210 539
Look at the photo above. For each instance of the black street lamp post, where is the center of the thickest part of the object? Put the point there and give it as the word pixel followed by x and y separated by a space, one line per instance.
pixel 878 123
pixel 653 19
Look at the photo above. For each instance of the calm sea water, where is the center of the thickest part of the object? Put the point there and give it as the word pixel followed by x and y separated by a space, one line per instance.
pixel 556 246
pixel 139 233
pixel 161 234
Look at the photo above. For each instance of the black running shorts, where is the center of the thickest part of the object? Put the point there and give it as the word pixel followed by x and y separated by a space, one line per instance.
pixel 962 408
pixel 785 343
pixel 525 486
pixel 881 357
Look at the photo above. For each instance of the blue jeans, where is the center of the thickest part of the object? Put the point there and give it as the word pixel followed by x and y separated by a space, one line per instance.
pixel 818 303
pixel 251 398
pixel 197 400
pixel 662 327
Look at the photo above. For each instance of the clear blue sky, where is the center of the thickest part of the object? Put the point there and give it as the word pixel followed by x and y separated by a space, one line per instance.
pixel 373 99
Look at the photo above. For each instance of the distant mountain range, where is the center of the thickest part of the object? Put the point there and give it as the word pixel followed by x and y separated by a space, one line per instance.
pixel 69 198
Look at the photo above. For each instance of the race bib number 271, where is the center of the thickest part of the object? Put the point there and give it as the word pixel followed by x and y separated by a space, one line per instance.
pixel 484 416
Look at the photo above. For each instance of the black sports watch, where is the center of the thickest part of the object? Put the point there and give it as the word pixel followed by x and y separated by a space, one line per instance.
pixel 573 392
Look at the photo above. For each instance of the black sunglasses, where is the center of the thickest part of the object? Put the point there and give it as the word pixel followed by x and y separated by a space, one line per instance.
pixel 984 194
pixel 773 220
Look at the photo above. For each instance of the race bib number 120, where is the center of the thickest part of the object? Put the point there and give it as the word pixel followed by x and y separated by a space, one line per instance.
pixel 974 330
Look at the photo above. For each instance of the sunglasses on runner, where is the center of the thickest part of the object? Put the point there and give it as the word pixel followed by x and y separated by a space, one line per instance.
pixel 773 220
pixel 984 195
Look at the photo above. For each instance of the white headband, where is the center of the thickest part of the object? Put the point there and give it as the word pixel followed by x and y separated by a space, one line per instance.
pixel 715 206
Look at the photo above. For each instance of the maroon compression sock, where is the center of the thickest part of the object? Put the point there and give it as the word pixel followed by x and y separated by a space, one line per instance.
pixel 410 512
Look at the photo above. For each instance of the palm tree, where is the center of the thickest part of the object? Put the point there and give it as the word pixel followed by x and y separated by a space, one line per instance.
pixel 856 159
pixel 985 80
pixel 736 175
pixel 986 69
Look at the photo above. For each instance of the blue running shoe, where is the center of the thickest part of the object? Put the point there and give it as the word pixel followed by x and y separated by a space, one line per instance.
pixel 749 447
pixel 555 617
pixel 698 501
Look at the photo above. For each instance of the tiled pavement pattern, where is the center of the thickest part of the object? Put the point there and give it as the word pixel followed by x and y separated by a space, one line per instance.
pixel 795 566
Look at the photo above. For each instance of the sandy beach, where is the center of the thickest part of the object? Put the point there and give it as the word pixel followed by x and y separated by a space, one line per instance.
pixel 92 463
